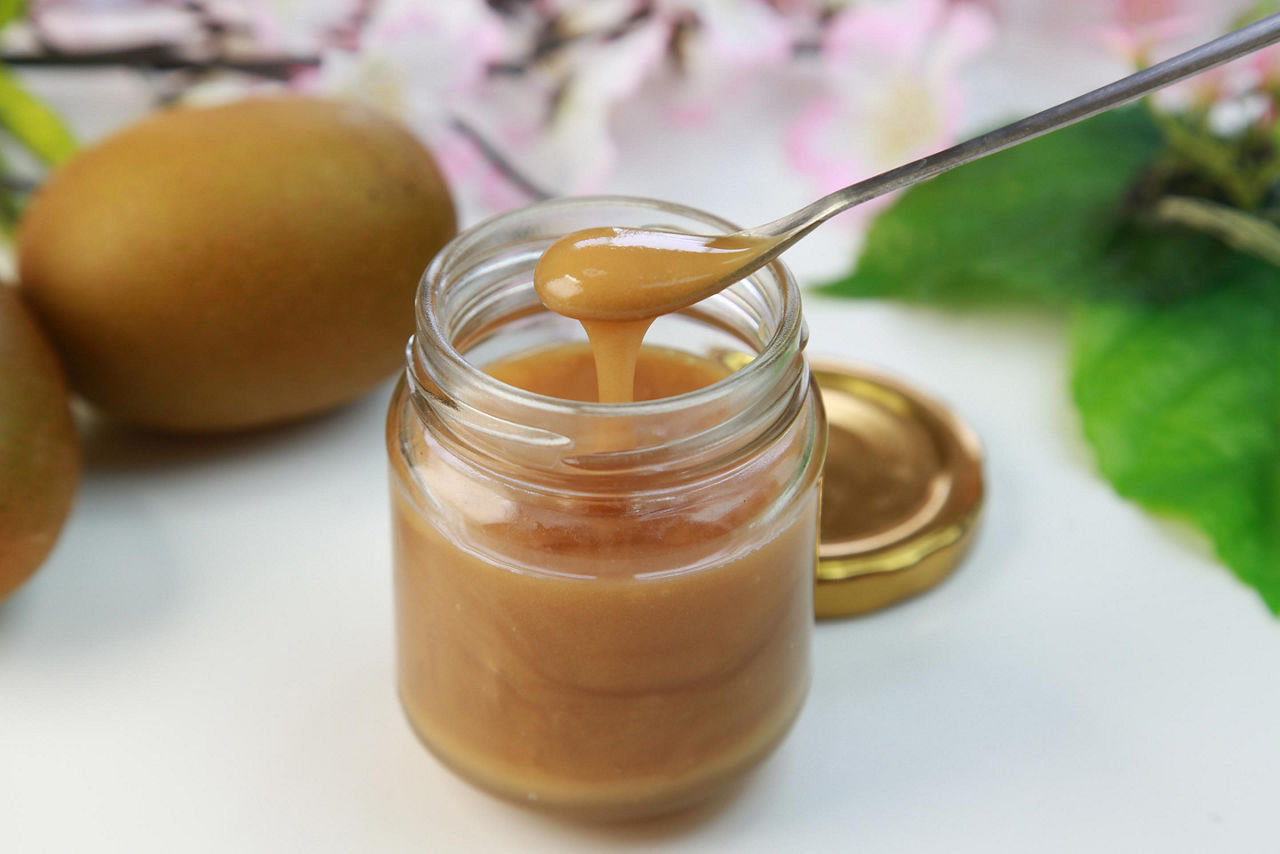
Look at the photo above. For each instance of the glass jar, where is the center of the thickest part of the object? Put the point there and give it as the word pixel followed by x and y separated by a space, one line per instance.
pixel 601 608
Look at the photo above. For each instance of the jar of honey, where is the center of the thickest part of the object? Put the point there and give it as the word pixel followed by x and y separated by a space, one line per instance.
pixel 603 609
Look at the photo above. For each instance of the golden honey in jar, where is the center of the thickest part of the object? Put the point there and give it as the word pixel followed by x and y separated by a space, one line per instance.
pixel 601 608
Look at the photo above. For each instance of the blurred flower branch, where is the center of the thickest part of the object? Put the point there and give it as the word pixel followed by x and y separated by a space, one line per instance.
pixel 520 98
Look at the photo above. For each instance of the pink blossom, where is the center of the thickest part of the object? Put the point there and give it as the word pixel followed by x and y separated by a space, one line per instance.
pixel 427 63
pixel 298 27
pixel 114 24
pixel 892 92
pixel 576 152
pixel 416 59
pixel 1240 93
pixel 733 42
pixel 1140 30
pixel 735 32
pixel 1232 94
pixel 431 62
pixel 581 17
pixel 1265 64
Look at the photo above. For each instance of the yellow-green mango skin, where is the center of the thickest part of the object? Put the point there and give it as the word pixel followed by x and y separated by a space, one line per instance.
pixel 231 267
pixel 39 451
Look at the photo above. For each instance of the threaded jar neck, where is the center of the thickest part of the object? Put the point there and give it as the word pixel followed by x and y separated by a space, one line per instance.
pixel 476 302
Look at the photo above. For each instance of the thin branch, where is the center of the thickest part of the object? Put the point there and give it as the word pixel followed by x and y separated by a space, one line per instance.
pixel 1241 230
pixel 500 162
pixel 158 58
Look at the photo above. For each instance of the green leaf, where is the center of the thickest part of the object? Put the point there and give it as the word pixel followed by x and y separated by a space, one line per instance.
pixel 33 123
pixel 1176 332
pixel 1027 223
pixel 11 10
pixel 1181 403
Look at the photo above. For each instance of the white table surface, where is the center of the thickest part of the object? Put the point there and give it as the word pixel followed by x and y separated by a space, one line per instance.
pixel 205 663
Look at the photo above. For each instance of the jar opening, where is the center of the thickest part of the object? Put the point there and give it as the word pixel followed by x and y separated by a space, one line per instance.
pixel 476 302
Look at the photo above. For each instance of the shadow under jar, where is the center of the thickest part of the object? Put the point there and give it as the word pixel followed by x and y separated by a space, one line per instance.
pixel 603 609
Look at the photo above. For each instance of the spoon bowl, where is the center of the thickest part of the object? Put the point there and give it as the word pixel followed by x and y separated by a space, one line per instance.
pixel 630 273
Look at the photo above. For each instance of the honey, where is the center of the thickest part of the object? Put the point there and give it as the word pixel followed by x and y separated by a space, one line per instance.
pixel 602 609
pixel 616 281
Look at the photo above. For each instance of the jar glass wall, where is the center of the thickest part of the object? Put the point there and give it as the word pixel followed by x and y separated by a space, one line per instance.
pixel 604 609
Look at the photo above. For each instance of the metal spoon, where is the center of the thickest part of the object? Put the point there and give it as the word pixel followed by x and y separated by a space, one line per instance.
pixel 618 274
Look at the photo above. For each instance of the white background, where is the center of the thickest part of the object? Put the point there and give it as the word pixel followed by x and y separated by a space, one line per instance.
pixel 205 663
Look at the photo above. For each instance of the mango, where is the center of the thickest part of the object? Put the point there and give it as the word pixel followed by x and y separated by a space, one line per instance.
pixel 39 452
pixel 232 267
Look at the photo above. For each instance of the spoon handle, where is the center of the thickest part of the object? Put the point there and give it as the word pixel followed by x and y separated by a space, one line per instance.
pixel 796 225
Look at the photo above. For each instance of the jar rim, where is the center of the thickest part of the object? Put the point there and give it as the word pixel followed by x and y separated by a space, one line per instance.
pixel 788 337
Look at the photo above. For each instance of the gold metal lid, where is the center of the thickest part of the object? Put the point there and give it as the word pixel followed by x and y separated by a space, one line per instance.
pixel 901 494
